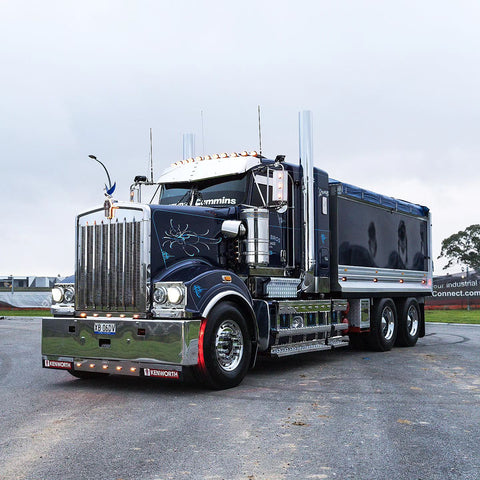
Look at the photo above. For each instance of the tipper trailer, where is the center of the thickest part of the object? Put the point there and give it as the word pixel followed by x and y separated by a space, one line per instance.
pixel 241 256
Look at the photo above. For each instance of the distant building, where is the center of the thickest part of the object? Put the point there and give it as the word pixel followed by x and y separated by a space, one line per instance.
pixel 455 291
pixel 25 292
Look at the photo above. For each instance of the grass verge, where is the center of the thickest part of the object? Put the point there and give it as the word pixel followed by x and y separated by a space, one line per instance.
pixel 26 313
pixel 453 316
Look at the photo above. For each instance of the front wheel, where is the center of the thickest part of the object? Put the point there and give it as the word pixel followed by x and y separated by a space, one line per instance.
pixel 383 325
pixel 225 347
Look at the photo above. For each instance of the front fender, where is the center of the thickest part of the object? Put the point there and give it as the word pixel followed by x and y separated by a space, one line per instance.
pixel 207 289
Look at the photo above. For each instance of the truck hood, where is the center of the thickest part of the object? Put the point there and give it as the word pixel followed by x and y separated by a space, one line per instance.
pixel 183 232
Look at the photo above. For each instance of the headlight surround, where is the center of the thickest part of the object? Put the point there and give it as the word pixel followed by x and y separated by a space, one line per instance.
pixel 69 295
pixel 170 295
pixel 57 294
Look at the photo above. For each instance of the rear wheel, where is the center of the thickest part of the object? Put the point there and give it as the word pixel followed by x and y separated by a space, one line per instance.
pixel 225 347
pixel 408 323
pixel 383 325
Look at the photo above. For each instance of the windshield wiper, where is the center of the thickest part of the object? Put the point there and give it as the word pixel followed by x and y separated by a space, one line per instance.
pixel 185 195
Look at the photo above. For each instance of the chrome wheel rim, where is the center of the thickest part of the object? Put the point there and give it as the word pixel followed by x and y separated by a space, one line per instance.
pixel 388 323
pixel 412 321
pixel 229 345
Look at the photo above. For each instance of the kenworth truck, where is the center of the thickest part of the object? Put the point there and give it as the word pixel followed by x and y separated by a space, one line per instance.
pixel 240 256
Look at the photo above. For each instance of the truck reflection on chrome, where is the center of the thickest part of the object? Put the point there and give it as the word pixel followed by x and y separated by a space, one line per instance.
pixel 188 240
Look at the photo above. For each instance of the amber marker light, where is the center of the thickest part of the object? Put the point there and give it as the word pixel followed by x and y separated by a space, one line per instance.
pixel 227 278
pixel 402 280
pixel 375 280
pixel 136 316
pixel 244 154
pixel 208 157
pixel 253 154
pixel 122 315
pixel 83 315
pixel 344 279
pixel 79 364
pixel 109 315
pixel 92 365
pixel 105 367
pixel 118 368
pixel 133 369
pixel 95 315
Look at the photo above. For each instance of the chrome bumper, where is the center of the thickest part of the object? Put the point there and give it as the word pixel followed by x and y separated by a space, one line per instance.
pixel 140 343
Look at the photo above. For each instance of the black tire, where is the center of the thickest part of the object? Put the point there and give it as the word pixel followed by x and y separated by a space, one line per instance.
pixel 86 375
pixel 225 348
pixel 409 318
pixel 383 325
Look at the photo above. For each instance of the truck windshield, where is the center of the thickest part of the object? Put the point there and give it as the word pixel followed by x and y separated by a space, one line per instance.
pixel 217 192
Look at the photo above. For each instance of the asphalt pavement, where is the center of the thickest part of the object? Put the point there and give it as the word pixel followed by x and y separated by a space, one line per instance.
pixel 412 413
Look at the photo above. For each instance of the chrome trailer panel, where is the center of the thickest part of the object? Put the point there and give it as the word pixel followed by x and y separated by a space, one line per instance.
pixel 145 342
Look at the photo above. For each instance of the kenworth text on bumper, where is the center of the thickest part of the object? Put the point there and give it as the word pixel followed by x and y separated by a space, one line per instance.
pixel 238 256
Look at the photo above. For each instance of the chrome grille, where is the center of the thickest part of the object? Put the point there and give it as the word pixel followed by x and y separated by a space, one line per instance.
pixel 111 271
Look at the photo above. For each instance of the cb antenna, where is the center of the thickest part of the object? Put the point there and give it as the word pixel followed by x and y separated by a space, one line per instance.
pixel 151 156
pixel 259 131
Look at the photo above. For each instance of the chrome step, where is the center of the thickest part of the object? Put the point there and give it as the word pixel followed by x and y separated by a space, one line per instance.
pixel 300 347
pixel 337 342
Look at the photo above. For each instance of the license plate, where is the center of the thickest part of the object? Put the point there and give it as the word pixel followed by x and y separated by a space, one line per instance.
pixel 105 328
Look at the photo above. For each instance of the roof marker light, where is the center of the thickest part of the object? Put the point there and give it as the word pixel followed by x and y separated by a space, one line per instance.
pixel 133 369
pixel 208 157
pixel 92 365
pixel 234 154
pixel 244 154
pixel 198 159
pixel 253 153
pixel 224 155
pixel 215 156
pixel 105 367
pixel 118 368
pixel 83 315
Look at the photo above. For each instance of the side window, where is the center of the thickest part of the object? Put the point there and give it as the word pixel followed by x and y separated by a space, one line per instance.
pixel 261 192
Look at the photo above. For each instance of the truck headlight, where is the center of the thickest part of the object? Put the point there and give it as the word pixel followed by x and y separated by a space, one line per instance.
pixel 174 295
pixel 57 294
pixel 160 295
pixel 169 295
pixel 69 295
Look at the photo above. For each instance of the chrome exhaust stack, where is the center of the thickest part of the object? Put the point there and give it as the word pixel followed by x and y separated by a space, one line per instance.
pixel 188 145
pixel 306 161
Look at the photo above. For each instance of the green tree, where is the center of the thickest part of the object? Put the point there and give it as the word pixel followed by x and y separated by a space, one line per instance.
pixel 463 247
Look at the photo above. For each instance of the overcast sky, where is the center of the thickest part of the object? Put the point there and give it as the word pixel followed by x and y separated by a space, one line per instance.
pixel 393 87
